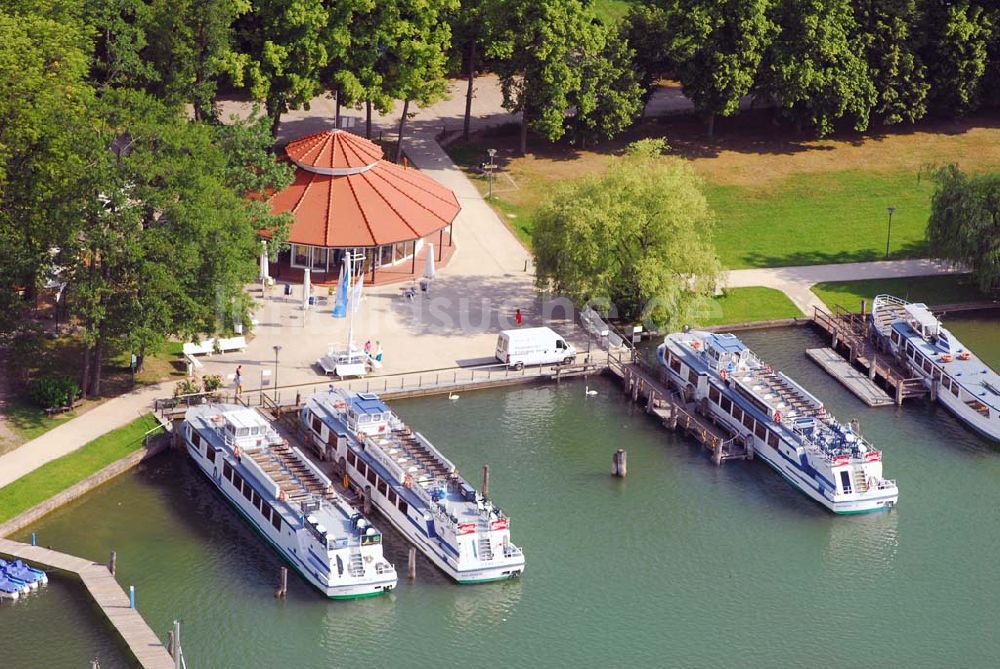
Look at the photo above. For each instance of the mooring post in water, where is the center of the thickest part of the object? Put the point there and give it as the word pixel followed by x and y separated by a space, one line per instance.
pixel 113 563
pixel 618 463
pixel 33 542
pixel 411 563
pixel 131 596
pixel 366 500
pixel 282 582
pixel 871 369
pixel 486 481
pixel 170 644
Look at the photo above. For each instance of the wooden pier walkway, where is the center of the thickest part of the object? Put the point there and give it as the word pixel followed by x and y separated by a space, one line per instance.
pixel 649 387
pixel 851 337
pixel 853 379
pixel 107 594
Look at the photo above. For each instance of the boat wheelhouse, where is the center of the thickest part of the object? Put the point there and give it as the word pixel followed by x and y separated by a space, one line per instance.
pixel 779 421
pixel 414 486
pixel 959 380
pixel 288 501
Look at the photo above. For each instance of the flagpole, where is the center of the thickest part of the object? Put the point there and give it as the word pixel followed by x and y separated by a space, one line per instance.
pixel 350 310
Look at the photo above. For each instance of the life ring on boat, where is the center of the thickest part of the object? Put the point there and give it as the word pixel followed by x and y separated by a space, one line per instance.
pixel 777 416
pixel 339 404
pixel 282 496
pixel 723 375
pixel 696 344
pixel 237 453
pixel 946 358
pixel 767 368
pixel 408 481
pixel 964 355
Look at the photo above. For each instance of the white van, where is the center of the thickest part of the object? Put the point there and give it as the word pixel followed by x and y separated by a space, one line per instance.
pixel 533 346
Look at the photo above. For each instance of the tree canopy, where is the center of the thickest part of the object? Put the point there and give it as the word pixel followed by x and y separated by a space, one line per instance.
pixel 638 238
pixel 964 226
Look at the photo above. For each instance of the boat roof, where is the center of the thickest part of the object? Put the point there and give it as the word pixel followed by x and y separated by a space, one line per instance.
pixel 367 403
pixel 726 342
pixel 922 315
pixel 241 416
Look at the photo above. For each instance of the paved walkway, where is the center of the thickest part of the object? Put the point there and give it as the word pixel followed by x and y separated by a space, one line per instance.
pixel 796 282
pixel 77 432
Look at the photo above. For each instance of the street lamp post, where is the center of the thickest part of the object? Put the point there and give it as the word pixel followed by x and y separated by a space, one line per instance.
pixel 276 348
pixel 491 167
pixel 888 234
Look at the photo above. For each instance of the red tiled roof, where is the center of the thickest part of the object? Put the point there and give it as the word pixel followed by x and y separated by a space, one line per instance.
pixel 333 149
pixel 379 204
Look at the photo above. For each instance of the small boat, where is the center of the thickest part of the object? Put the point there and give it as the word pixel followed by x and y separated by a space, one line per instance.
pixel 19 572
pixel 9 589
pixel 413 485
pixel 960 381
pixel 779 421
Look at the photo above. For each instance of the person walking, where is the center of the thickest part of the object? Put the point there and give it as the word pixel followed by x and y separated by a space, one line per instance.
pixel 378 351
pixel 238 379
pixel 518 318
pixel 368 347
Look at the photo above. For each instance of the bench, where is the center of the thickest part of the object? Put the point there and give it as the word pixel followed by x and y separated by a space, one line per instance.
pixel 211 345
pixel 51 411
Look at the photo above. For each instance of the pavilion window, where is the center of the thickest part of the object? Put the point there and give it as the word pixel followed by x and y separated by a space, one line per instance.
pixel 385 253
pixel 300 255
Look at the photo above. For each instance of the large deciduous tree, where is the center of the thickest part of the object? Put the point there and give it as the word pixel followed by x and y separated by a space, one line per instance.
pixel 610 97
pixel 537 46
pixel 638 237
pixel 897 71
pixel 120 28
pixel 964 225
pixel 815 69
pixel 955 36
pixel 649 31
pixel 282 54
pixel 721 44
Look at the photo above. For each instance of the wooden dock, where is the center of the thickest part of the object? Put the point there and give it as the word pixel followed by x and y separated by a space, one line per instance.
pixel 853 379
pixel 649 387
pixel 107 594
pixel 851 337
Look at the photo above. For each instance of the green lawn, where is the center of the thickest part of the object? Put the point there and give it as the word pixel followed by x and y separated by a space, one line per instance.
pixel 60 474
pixel 930 290
pixel 611 10
pixel 810 219
pixel 746 305
pixel 29 421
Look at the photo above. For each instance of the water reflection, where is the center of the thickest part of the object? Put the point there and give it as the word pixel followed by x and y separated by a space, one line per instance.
pixel 863 547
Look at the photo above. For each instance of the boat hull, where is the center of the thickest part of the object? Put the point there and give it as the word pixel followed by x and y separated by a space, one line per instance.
pixel 359 590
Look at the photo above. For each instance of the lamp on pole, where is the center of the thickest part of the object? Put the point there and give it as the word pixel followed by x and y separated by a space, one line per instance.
pixel 888 234
pixel 490 168
pixel 276 348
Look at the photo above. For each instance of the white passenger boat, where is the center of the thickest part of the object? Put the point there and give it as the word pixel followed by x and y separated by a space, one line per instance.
pixel 962 382
pixel 288 500
pixel 415 487
pixel 783 424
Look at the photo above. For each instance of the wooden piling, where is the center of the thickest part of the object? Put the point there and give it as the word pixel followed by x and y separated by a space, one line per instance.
pixel 113 563
pixel 366 500
pixel 282 582
pixel 411 564
pixel 619 463
pixel 899 392
pixel 872 364
pixel 486 481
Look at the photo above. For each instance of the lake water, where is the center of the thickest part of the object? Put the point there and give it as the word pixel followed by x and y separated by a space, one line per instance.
pixel 683 563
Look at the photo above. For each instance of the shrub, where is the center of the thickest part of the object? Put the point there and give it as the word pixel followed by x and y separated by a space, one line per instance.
pixel 53 391
pixel 212 382
pixel 186 387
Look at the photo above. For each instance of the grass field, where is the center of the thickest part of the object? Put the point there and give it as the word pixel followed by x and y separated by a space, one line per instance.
pixel 611 10
pixel 781 199
pixel 70 469
pixel 745 305
pixel 931 290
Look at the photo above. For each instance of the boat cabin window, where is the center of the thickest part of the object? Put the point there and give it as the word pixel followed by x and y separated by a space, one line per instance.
pixel 364 418
pixel 845 482
pixel 372 476
pixel 748 420
pixel 317 424
pixel 675 364
pixel 894 337
pixel 772 439
pixel 692 377
pixel 196 439
pixel 276 520
pixel 946 382
pixel 927 365
pixel 382 488
pixel 210 451
pixel 737 413
pixel 760 431
pixel 227 471
pixel 403 507
pixel 954 389
pixel 351 458
pixel 713 394
pixel 247 490
pixel 243 432
pixel 726 404
pixel 392 497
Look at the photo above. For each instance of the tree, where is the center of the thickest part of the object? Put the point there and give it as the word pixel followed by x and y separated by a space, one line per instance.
pixel 897 71
pixel 416 54
pixel 955 36
pixel 44 99
pixel 814 69
pixel 638 236
pixel 964 225
pixel 470 30
pixel 609 98
pixel 648 30
pixel 537 45
pixel 281 54
pixel 721 45
pixel 191 47
pixel 120 27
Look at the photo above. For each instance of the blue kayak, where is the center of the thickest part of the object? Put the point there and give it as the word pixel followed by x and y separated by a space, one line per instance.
pixel 18 571
pixel 9 589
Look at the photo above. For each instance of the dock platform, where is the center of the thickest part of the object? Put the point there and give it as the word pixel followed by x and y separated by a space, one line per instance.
pixel 853 379
pixel 142 642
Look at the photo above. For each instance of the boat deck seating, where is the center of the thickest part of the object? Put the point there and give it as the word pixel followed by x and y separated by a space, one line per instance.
pixel 410 453
pixel 291 475
pixel 786 393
